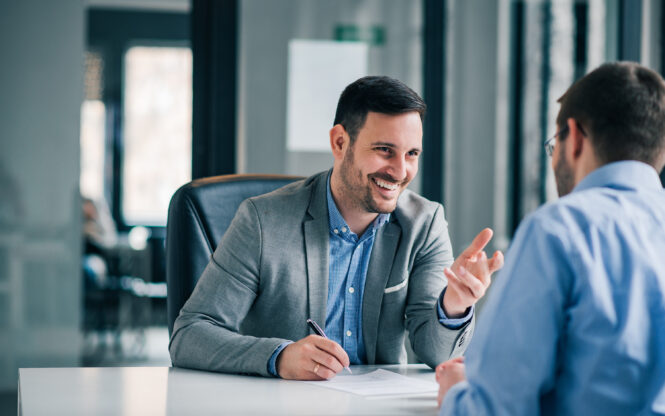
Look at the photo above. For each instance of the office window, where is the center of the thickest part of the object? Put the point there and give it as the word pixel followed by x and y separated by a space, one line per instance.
pixel 553 44
pixel 93 133
pixel 93 119
pixel 157 114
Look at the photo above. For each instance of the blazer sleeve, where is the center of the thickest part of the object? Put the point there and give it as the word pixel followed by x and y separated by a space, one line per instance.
pixel 432 342
pixel 206 333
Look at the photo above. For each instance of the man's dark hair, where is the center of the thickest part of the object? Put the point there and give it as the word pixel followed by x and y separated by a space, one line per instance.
pixel 379 94
pixel 621 106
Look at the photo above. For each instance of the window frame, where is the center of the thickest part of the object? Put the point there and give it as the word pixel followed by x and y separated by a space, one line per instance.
pixel 111 32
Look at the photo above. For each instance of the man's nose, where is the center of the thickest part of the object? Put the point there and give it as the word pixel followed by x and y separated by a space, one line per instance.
pixel 398 168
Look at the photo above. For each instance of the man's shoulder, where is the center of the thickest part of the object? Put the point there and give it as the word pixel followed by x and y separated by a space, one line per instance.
pixel 593 205
pixel 290 196
pixel 566 213
pixel 415 209
pixel 581 211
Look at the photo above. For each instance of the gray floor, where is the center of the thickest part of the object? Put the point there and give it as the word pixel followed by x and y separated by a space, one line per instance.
pixel 8 402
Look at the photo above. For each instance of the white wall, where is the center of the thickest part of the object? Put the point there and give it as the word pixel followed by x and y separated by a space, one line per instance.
pixel 266 26
pixel 41 80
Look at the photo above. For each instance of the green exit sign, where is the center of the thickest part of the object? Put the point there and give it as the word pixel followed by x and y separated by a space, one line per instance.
pixel 374 35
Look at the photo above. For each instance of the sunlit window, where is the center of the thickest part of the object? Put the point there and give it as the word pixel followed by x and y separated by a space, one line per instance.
pixel 93 119
pixel 157 130
pixel 93 129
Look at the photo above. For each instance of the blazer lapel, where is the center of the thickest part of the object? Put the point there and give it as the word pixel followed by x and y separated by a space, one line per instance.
pixel 378 272
pixel 316 230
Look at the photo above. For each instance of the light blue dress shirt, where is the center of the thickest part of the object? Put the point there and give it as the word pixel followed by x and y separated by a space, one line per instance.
pixel 348 261
pixel 575 322
pixel 347 271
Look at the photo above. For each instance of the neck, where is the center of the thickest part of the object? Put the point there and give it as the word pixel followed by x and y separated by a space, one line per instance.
pixel 357 218
pixel 587 164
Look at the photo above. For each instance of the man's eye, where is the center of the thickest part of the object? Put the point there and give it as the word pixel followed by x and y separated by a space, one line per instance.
pixel 414 153
pixel 383 149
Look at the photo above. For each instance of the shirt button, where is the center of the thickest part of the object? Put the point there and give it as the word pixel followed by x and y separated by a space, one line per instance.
pixel 343 229
pixel 348 333
pixel 351 290
pixel 336 231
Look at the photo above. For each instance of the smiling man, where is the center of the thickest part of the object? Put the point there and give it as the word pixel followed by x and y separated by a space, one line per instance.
pixel 351 248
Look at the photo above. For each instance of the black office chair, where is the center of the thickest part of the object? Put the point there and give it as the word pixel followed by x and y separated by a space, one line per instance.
pixel 199 214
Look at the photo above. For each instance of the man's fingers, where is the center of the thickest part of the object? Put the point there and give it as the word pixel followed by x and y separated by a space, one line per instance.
pixel 484 271
pixel 327 361
pixel 438 370
pixel 496 262
pixel 446 364
pixel 478 243
pixel 452 277
pixel 322 371
pixel 333 349
pixel 471 282
pixel 465 281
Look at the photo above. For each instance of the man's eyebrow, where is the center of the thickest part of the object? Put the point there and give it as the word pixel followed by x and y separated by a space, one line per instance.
pixel 387 144
pixel 392 145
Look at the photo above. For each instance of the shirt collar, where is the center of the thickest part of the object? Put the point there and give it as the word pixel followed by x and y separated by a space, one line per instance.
pixel 626 174
pixel 336 221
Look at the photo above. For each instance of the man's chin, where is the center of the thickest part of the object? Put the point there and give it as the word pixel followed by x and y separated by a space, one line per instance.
pixel 384 207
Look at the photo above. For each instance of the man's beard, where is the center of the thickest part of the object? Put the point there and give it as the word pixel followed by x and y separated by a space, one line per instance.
pixel 361 194
pixel 563 175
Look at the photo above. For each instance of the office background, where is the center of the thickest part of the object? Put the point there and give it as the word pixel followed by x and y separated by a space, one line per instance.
pixel 123 101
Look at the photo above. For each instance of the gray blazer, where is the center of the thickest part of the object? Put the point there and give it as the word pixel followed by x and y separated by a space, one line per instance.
pixel 270 273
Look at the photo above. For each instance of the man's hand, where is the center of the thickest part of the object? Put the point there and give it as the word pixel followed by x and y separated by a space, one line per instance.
pixel 312 358
pixel 448 374
pixel 469 276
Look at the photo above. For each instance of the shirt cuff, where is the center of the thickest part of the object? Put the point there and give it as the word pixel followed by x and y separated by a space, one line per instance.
pixel 454 323
pixel 272 363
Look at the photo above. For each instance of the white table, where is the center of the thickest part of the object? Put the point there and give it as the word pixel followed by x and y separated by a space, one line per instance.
pixel 176 391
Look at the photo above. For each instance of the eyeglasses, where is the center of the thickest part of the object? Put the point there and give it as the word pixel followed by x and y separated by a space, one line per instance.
pixel 551 142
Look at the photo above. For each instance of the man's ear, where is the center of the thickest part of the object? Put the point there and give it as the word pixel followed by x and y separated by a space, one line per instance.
pixel 576 138
pixel 338 140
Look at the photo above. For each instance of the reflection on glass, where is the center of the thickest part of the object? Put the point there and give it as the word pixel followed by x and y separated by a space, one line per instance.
pixel 157 130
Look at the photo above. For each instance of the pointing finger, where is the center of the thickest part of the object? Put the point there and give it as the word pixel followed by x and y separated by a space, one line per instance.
pixel 484 272
pixel 478 243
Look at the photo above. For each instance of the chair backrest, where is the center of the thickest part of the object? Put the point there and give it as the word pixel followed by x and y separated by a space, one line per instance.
pixel 199 214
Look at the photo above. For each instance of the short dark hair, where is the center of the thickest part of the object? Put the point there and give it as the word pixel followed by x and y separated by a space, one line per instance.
pixel 621 105
pixel 379 94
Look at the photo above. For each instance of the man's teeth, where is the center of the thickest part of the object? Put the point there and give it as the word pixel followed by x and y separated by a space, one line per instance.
pixel 386 185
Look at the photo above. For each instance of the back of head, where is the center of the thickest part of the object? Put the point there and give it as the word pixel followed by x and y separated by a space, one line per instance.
pixel 621 106
pixel 379 94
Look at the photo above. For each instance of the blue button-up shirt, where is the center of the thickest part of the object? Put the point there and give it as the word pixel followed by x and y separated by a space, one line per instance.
pixel 575 323
pixel 349 258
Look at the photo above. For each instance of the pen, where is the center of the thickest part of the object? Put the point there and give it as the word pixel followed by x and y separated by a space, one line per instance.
pixel 316 328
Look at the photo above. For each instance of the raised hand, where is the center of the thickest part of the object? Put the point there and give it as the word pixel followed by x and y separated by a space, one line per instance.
pixel 469 276
pixel 312 358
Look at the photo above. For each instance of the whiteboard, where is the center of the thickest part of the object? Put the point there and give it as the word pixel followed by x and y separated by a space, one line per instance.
pixel 318 72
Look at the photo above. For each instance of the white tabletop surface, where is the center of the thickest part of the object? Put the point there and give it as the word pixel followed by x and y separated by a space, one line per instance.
pixel 176 391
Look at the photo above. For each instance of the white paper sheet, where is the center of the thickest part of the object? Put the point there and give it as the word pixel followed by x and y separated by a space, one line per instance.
pixel 378 383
